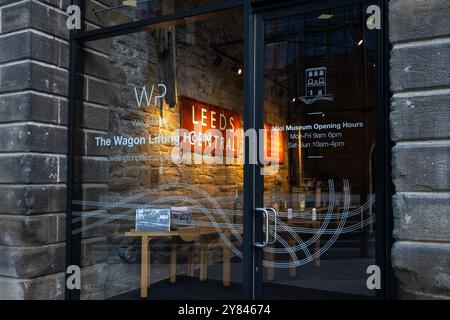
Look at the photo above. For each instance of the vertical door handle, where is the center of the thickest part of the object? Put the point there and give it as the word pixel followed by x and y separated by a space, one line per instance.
pixel 266 240
pixel 275 213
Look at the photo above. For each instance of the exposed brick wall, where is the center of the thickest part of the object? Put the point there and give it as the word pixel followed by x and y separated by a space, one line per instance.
pixel 420 126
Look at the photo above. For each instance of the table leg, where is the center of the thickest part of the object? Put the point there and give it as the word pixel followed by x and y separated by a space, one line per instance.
pixel 292 270
pixel 190 262
pixel 203 261
pixel 145 263
pixel 226 264
pixel 173 262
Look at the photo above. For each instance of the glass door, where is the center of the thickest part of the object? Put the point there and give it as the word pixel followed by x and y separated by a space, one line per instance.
pixel 318 80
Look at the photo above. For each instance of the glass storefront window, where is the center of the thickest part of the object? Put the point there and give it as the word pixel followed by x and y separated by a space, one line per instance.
pixel 146 96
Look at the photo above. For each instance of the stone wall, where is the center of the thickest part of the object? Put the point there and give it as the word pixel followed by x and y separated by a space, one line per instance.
pixel 420 127
pixel 34 61
pixel 34 52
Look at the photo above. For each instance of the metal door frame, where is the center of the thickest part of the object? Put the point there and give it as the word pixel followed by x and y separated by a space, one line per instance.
pixel 383 181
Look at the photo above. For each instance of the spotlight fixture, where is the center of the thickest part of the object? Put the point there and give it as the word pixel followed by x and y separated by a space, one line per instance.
pixel 360 43
pixel 237 70
pixel 129 3
pixel 325 16
pixel 294 99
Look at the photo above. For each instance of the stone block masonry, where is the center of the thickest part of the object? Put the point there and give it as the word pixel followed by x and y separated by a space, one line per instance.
pixel 420 118
pixel 34 60
pixel 33 105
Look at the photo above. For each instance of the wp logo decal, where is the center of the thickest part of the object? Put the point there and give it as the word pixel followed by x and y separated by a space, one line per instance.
pixel 162 90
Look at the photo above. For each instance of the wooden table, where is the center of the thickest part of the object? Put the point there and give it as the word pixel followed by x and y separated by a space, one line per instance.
pixel 145 261
pixel 189 234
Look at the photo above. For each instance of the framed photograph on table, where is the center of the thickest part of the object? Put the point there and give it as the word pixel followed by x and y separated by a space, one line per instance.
pixel 148 220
